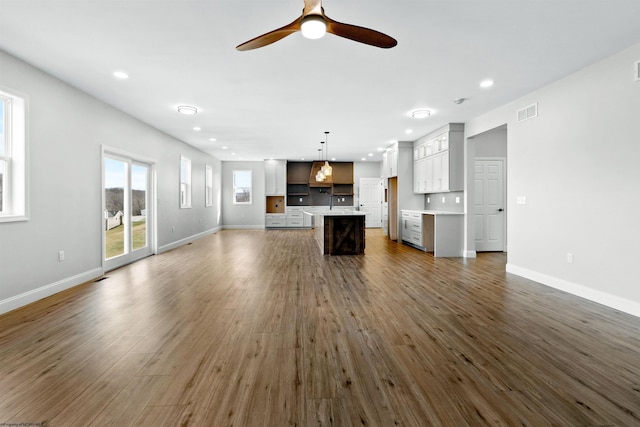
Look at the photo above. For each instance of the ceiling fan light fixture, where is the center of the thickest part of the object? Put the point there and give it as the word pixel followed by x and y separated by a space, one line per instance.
pixel 313 27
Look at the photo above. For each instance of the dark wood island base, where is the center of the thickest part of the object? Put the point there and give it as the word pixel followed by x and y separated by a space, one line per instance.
pixel 340 233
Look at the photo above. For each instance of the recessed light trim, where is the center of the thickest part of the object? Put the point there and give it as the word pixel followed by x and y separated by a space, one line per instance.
pixel 408 131
pixel 197 128
pixel 487 83
pixel 212 139
pixel 120 75
pixel 420 114
pixel 187 110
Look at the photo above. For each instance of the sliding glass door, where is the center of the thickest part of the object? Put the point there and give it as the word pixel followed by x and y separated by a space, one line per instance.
pixel 126 210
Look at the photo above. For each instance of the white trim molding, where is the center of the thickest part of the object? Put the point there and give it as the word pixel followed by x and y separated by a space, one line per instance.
pixel 604 298
pixel 45 291
pixel 187 240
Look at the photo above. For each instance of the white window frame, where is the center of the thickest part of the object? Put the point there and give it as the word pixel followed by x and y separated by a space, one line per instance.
pixel 208 186
pixel 185 183
pixel 235 188
pixel 14 157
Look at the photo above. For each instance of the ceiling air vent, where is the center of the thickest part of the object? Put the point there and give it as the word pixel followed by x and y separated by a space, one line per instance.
pixel 528 112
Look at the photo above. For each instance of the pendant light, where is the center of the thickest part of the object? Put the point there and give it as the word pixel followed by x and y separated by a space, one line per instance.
pixel 327 170
pixel 320 176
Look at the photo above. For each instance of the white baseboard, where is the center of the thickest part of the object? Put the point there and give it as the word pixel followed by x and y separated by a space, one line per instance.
pixel 243 227
pixel 469 254
pixel 186 240
pixel 34 295
pixel 604 298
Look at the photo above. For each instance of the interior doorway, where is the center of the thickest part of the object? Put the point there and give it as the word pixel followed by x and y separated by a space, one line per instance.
pixel 489 204
pixel 127 226
pixel 489 198
pixel 370 196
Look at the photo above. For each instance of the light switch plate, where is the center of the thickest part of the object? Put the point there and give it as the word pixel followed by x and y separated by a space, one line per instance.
pixel 521 200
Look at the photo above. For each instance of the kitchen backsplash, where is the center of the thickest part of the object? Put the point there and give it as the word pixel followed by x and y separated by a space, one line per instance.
pixel 445 201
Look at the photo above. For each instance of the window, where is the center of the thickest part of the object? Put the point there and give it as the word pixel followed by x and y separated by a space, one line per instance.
pixel 13 193
pixel 185 182
pixel 241 187
pixel 208 185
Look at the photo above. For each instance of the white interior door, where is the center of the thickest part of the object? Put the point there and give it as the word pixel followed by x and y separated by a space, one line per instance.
pixel 127 211
pixel 370 196
pixel 489 206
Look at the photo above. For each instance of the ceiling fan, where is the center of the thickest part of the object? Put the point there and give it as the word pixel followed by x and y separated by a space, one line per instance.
pixel 313 23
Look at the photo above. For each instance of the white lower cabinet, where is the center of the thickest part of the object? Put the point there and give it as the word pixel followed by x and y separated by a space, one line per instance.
pixel 412 229
pixel 434 231
pixel 295 216
pixel 275 220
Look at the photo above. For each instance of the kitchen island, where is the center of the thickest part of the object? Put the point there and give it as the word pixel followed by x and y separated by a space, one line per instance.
pixel 339 232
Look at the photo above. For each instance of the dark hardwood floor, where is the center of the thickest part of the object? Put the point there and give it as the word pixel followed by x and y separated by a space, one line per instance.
pixel 255 328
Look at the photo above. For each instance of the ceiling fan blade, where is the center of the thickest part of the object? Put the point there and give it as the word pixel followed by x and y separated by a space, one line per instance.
pixel 271 36
pixel 360 34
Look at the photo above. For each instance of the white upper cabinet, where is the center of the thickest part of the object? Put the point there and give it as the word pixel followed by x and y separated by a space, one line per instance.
pixel 390 162
pixel 275 172
pixel 438 162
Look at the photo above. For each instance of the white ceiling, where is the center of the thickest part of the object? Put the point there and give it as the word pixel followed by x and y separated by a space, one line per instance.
pixel 276 102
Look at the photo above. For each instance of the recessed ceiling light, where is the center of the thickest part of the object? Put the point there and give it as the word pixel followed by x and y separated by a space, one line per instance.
pixel 409 131
pixel 380 149
pixel 121 75
pixel 486 83
pixel 370 154
pixel 197 128
pixel 187 109
pixel 224 148
pixel 420 114
pixel 233 154
pixel 212 139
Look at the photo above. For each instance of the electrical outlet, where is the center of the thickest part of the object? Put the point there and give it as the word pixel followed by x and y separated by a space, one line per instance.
pixel 60 256
pixel 173 229
pixel 570 257
pixel 444 199
pixel 636 71
pixel 428 199
pixel 457 199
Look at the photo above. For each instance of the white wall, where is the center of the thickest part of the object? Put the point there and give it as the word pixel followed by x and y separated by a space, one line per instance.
pixel 243 216
pixel 66 131
pixel 578 164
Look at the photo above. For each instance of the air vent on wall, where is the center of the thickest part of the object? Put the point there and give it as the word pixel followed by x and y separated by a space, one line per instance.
pixel 636 71
pixel 528 112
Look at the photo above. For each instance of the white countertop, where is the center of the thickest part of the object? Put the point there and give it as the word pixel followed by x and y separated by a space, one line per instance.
pixel 336 212
pixel 433 212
